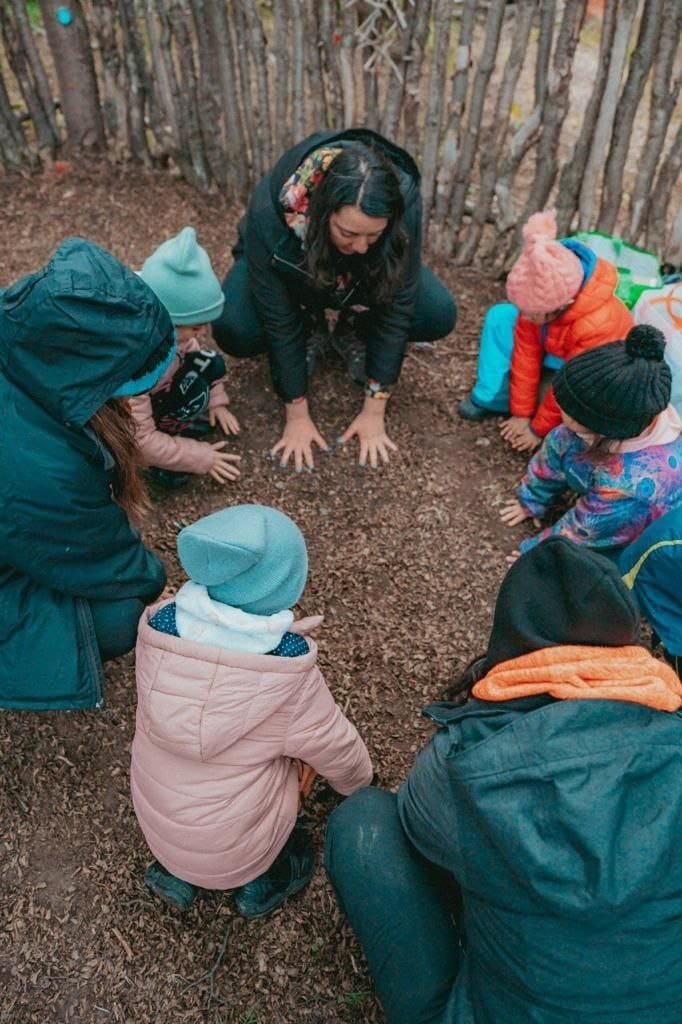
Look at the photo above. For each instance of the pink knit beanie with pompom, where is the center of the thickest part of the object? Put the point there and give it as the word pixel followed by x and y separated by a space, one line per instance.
pixel 547 275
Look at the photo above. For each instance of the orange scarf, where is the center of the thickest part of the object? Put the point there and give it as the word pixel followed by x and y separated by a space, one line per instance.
pixel 580 673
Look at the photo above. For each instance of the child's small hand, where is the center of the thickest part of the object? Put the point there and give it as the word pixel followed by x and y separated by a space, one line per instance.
pixel 222 417
pixel 513 513
pixel 510 559
pixel 516 430
pixel 223 468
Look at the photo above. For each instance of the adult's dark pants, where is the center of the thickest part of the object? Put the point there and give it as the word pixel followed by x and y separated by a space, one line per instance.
pixel 239 331
pixel 399 905
pixel 116 625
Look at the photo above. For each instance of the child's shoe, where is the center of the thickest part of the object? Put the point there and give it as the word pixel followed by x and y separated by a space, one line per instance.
pixel 290 872
pixel 170 889
pixel 468 410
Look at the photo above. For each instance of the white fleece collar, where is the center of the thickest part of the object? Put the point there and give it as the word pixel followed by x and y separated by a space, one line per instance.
pixel 198 617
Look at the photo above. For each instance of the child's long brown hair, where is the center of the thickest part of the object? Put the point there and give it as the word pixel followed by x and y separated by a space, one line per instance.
pixel 114 426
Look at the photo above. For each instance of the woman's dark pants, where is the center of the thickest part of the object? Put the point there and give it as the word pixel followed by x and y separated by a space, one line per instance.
pixel 239 331
pixel 398 904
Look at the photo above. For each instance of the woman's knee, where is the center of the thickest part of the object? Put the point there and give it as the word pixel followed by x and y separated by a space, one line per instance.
pixel 359 828
pixel 115 625
pixel 435 313
pixel 444 315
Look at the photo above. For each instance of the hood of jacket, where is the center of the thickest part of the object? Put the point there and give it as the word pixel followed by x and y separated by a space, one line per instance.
pixel 73 332
pixel 598 289
pixel 209 697
pixel 557 594
pixel 266 207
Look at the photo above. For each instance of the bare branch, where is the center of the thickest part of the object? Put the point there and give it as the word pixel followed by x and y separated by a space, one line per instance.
pixel 665 91
pixel 493 139
pixel 640 65
pixel 607 111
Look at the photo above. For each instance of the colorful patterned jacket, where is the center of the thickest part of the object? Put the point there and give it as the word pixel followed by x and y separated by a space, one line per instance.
pixel 618 495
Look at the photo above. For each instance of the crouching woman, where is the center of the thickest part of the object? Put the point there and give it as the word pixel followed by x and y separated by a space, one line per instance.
pixel 76 338
pixel 528 868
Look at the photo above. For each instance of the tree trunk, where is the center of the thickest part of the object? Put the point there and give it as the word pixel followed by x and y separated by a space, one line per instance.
pixel 162 104
pixel 346 52
pixel 258 51
pixel 14 152
pixel 607 111
pixel 330 39
pixel 525 135
pixel 139 85
pixel 193 155
pixel 413 76
pixel 640 65
pixel 434 106
pixel 20 66
pixel 664 93
pixel 114 91
pixel 314 66
pixel 208 93
pixel 79 92
pixel 451 142
pixel 574 168
pixel 395 90
pixel 493 139
pixel 657 233
pixel 468 151
pixel 554 113
pixel 545 34
pixel 237 172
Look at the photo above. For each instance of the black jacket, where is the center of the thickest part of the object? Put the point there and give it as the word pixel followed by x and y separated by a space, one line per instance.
pixel 280 285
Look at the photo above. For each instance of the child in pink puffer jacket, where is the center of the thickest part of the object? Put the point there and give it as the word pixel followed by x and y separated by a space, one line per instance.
pixel 190 399
pixel 234 717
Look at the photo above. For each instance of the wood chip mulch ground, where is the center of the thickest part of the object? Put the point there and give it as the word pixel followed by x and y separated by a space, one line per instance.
pixel 405 563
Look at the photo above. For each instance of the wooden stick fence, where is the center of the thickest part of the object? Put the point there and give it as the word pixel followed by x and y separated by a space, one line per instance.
pixel 506 106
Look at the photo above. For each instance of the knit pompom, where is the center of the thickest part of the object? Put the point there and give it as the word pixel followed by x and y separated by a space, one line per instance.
pixel 540 225
pixel 645 342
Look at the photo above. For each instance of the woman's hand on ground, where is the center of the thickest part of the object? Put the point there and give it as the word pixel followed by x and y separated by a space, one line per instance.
pixel 222 417
pixel 370 430
pixel 513 513
pixel 516 430
pixel 300 434
pixel 223 469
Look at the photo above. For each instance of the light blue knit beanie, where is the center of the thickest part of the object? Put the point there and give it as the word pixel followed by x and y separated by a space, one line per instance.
pixel 249 556
pixel 179 272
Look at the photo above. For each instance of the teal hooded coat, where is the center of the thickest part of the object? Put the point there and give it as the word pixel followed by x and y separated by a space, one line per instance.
pixel 70 335
pixel 560 820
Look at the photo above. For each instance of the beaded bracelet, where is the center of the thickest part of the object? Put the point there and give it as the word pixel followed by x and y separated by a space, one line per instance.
pixel 373 389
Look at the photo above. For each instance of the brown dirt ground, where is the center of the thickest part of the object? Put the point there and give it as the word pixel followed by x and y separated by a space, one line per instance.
pixel 405 562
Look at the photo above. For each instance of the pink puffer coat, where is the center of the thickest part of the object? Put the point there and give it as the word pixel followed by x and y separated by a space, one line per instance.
pixel 214 786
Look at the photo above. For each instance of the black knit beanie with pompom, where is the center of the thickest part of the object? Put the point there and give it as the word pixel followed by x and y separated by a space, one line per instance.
pixel 617 389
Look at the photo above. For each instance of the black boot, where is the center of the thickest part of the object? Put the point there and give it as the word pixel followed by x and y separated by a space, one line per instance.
pixel 350 347
pixel 290 872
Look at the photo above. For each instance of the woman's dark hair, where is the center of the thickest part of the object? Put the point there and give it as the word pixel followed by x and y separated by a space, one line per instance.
pixel 362 177
pixel 115 428
pixel 459 689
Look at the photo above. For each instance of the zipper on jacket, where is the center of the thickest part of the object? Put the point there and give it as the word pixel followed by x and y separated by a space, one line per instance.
pixel 299 270
pixel 288 263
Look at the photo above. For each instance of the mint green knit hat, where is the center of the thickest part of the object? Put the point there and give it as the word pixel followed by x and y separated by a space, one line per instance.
pixel 180 274
pixel 251 557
